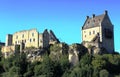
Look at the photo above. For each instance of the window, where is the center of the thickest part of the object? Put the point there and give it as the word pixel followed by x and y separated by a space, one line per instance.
pixel 84 31
pixel 15 42
pixel 25 41
pixel 85 35
pixel 32 34
pixel 22 41
pixel 34 39
pixel 89 33
pixel 93 32
pixel 23 36
pixel 16 37
pixel 108 33
pixel 99 19
pixel 40 41
pixel 88 22
pixel 30 40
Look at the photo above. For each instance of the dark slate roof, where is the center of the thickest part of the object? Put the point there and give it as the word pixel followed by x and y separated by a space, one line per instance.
pixel 94 21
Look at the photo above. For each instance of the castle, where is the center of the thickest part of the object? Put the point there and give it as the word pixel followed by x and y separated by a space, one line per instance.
pixel 28 38
pixel 97 33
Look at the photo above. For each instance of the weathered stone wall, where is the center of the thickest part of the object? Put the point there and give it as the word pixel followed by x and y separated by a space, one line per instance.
pixel 8 40
pixel 28 37
pixel 108 43
pixel 45 38
pixel 89 34
pixel 41 40
pixel 7 50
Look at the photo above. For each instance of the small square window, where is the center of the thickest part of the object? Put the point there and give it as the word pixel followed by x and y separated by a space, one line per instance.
pixel 22 41
pixel 23 36
pixel 34 39
pixel 16 37
pixel 25 41
pixel 32 34
pixel 84 31
pixel 15 42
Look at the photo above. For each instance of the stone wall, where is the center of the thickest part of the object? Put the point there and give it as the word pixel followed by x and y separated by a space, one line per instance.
pixel 28 37
pixel 7 50
pixel 89 34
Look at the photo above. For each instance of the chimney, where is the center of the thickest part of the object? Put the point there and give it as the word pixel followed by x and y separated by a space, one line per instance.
pixel 93 15
pixel 87 17
pixel 106 12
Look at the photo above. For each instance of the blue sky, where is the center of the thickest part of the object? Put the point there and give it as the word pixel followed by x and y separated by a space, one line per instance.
pixel 64 17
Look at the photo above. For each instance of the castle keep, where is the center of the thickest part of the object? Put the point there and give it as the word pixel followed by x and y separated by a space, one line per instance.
pixel 97 32
pixel 28 38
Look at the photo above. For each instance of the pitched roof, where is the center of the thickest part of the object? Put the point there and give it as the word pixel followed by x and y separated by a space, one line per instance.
pixel 94 21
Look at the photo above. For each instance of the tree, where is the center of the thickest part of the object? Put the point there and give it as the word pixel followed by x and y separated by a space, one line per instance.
pixel 104 73
pixel 47 67
pixel 64 63
pixel 38 70
pixel 85 59
pixel 14 71
pixel 99 62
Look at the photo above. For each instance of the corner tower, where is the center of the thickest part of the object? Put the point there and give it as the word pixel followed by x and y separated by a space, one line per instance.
pixel 99 25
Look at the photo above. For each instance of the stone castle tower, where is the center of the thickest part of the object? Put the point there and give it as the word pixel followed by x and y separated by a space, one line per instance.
pixel 101 29
pixel 8 40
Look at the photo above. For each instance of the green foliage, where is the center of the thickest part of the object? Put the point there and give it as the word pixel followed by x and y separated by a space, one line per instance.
pixel 86 59
pixel 14 70
pixel 64 63
pixel 106 65
pixel 38 70
pixel 47 67
pixel 104 73
pixel 99 62
pixel 55 48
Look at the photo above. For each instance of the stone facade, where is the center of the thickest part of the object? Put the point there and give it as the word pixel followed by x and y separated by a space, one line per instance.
pixel 9 50
pixel 27 38
pixel 101 25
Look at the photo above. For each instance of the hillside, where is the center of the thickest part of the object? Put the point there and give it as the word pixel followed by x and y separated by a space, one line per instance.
pixel 56 62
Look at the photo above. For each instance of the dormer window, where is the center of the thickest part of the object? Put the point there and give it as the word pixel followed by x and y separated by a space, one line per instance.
pixel 88 22
pixel 99 19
